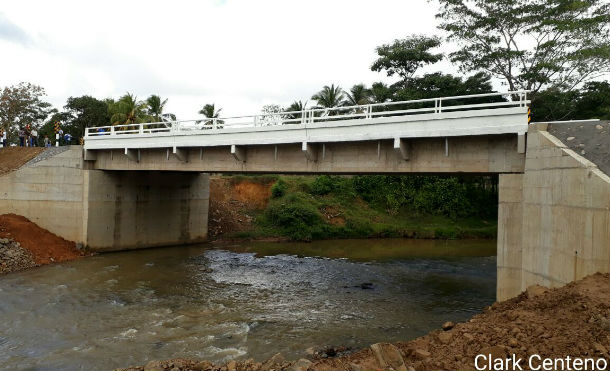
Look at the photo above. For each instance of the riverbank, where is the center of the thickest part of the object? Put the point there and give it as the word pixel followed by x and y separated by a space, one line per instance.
pixel 23 244
pixel 272 207
pixel 569 321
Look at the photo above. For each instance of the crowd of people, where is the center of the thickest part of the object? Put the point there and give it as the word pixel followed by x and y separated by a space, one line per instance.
pixel 28 137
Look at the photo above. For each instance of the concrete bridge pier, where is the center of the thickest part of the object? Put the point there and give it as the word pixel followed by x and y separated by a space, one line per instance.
pixel 128 209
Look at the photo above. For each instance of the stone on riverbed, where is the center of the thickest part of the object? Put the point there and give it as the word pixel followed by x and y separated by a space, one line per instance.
pixel 388 356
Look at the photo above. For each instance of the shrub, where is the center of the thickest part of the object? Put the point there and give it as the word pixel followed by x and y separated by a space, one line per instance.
pixel 296 216
pixel 279 188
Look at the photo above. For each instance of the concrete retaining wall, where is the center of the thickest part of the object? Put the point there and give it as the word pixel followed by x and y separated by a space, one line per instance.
pixel 553 220
pixel 49 193
pixel 107 210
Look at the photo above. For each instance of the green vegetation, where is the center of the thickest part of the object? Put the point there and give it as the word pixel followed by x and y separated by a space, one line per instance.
pixel 308 208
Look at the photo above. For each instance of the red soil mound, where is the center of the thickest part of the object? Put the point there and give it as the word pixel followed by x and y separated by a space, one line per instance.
pixel 42 244
pixel 232 204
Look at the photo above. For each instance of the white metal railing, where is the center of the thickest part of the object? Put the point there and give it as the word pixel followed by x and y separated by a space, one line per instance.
pixel 317 115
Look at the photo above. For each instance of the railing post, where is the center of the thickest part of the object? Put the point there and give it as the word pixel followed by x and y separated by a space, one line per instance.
pixel 440 105
pixel 214 124
pixel 112 132
pixel 141 128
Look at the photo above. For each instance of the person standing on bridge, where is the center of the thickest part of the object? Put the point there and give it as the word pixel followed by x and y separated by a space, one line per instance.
pixel 21 134
pixel 34 138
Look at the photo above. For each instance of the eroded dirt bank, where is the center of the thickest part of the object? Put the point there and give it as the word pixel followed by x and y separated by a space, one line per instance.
pixel 24 244
pixel 569 321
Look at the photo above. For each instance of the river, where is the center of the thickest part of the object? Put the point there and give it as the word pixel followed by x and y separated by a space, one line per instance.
pixel 254 299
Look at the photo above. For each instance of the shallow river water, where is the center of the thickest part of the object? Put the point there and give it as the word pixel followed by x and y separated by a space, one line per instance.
pixel 243 300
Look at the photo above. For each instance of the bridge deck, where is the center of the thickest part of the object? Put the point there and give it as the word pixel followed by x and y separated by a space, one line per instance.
pixel 340 124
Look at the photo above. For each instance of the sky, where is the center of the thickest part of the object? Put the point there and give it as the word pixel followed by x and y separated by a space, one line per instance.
pixel 238 54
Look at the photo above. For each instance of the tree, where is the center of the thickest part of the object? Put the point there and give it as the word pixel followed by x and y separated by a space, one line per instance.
pixel 82 112
pixel 329 96
pixel 209 111
pixel 271 115
pixel 156 107
pixel 553 104
pixel 22 104
pixel 533 44
pixel 404 57
pixel 434 85
pixel 127 110
pixel 594 101
pixel 381 93
pixel 358 95
pixel 295 107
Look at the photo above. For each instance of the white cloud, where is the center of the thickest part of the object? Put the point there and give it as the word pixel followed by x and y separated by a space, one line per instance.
pixel 238 54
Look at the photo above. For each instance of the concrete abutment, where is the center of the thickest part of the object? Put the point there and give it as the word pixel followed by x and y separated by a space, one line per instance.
pixel 108 210
pixel 553 220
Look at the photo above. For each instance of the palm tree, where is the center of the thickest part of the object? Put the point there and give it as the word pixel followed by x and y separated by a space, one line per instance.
pixel 329 97
pixel 297 105
pixel 359 95
pixel 127 110
pixel 209 111
pixel 155 107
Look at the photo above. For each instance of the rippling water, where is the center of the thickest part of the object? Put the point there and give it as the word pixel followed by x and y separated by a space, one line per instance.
pixel 245 300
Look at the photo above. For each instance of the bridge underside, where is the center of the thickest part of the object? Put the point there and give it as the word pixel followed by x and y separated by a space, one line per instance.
pixel 481 154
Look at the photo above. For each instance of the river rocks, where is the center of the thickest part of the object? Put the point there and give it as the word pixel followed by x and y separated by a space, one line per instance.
pixel 300 365
pixel 154 366
pixel 13 257
pixel 535 290
pixel 569 139
pixel 445 337
pixel 599 127
pixel 274 362
pixel 421 354
pixel 448 326
pixel 203 366
pixel 388 356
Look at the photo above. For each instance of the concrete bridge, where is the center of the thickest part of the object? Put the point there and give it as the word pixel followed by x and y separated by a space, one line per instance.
pixel 440 135
pixel 143 185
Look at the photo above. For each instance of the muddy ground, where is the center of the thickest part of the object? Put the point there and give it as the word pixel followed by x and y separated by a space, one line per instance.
pixel 34 243
pixel 569 321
